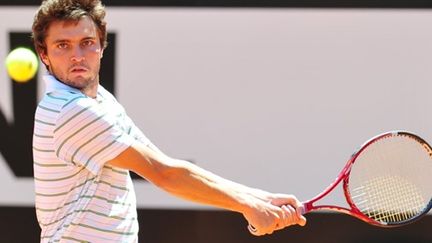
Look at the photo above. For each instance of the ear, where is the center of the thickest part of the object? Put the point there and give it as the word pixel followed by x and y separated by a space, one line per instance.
pixel 44 58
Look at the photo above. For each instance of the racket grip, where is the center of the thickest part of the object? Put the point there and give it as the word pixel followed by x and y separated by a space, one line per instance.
pixel 306 207
pixel 303 209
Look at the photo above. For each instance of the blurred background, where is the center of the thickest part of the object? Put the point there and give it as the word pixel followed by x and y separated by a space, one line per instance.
pixel 272 94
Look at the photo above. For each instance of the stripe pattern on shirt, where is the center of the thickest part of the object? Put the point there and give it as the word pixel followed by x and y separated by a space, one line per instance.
pixel 78 197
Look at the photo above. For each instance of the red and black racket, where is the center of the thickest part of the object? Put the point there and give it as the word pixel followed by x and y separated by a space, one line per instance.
pixel 387 182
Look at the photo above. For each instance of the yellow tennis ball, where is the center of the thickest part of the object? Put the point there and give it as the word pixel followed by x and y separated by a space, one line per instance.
pixel 22 64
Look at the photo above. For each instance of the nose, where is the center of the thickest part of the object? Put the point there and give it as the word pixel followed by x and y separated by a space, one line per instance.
pixel 77 55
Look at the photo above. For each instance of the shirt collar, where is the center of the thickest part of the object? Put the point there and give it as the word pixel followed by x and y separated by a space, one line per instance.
pixel 53 84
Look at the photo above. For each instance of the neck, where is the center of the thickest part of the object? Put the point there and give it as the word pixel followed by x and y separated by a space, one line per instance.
pixel 91 90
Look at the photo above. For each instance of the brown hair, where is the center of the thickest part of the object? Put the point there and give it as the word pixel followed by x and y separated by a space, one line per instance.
pixel 67 10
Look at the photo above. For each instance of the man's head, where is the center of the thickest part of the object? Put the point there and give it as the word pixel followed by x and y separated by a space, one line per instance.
pixel 69 36
pixel 67 10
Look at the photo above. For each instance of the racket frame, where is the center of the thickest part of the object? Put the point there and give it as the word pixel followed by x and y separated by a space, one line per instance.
pixel 309 206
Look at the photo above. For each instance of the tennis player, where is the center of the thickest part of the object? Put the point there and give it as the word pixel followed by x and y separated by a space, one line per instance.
pixel 84 145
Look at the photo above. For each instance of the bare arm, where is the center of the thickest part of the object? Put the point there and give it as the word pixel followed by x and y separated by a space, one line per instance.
pixel 188 181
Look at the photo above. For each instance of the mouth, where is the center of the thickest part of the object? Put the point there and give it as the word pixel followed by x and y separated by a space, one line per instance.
pixel 78 69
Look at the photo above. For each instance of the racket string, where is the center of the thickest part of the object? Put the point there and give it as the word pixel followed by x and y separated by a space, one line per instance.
pixel 389 180
pixel 388 199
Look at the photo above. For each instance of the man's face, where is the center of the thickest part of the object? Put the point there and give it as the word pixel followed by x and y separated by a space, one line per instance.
pixel 74 52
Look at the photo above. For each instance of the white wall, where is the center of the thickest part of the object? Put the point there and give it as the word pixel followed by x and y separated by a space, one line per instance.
pixel 273 98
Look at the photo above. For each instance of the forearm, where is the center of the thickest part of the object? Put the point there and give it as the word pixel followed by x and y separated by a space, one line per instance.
pixel 191 182
pixel 186 180
pixel 196 184
pixel 263 210
pixel 209 180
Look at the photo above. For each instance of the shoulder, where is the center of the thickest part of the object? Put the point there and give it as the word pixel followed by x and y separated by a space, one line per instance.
pixel 63 98
pixel 57 101
pixel 71 107
pixel 106 94
pixel 110 99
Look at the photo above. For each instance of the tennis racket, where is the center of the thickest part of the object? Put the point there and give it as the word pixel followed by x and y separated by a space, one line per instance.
pixel 387 182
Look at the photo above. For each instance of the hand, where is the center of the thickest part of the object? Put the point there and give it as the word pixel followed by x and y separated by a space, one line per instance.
pixel 290 203
pixel 276 212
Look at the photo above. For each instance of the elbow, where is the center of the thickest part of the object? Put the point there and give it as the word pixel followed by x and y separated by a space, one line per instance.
pixel 167 177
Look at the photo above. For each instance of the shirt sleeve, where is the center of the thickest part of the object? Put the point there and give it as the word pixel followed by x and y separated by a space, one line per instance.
pixel 135 132
pixel 87 135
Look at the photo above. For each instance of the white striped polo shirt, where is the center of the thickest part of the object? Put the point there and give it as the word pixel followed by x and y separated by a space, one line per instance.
pixel 78 197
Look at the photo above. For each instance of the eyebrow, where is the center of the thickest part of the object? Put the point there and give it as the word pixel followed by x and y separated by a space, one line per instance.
pixel 89 38
pixel 68 40
pixel 60 41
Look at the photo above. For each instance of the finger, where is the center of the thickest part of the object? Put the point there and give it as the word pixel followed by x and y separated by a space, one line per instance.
pixel 297 203
pixel 301 218
pixel 277 220
pixel 284 218
pixel 298 209
pixel 282 199
pixel 292 215
pixel 287 217
pixel 303 221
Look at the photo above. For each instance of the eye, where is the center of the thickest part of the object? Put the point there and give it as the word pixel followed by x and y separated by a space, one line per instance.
pixel 62 45
pixel 87 43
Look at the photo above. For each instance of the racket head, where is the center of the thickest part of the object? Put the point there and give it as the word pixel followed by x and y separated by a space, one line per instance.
pixel 388 180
